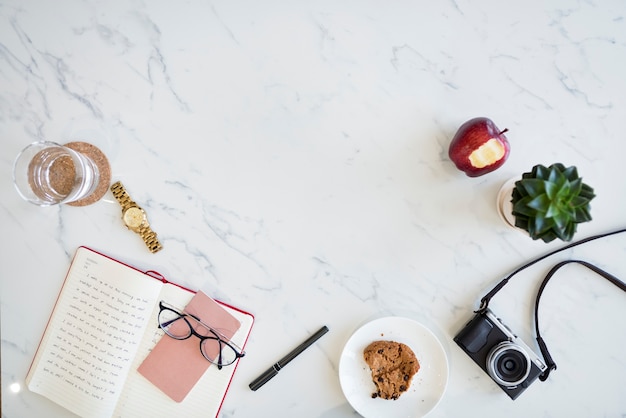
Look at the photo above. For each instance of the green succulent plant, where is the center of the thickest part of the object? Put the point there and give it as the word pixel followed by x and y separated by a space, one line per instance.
pixel 550 202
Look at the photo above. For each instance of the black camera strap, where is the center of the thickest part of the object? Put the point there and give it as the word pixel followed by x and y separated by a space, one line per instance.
pixel 542 345
pixel 484 302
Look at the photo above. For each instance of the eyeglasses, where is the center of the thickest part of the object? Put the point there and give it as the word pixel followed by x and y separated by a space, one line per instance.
pixel 214 346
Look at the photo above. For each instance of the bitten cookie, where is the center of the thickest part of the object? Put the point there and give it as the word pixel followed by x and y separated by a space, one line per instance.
pixel 393 366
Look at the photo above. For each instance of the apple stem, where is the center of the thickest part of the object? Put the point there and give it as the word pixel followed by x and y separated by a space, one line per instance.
pixel 505 130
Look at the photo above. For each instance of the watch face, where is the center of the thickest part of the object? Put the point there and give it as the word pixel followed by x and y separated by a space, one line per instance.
pixel 134 217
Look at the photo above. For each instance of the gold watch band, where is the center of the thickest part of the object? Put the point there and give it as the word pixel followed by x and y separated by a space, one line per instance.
pixel 148 236
pixel 119 192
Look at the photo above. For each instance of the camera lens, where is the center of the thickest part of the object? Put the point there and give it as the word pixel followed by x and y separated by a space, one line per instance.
pixel 508 364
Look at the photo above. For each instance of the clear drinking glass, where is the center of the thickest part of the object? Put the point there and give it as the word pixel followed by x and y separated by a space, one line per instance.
pixel 46 173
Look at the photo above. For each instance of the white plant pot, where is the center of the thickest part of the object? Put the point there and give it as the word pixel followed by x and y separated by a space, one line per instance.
pixel 504 205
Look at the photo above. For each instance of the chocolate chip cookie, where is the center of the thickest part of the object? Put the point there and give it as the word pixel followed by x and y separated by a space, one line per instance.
pixel 393 366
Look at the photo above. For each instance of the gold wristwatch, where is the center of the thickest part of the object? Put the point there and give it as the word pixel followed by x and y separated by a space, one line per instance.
pixel 135 217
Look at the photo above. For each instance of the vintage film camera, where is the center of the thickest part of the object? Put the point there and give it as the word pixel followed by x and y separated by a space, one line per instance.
pixel 500 353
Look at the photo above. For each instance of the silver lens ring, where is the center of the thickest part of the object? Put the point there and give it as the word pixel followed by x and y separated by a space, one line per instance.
pixel 508 364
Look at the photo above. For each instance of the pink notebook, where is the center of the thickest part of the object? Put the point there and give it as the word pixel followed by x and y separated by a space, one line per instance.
pixel 174 366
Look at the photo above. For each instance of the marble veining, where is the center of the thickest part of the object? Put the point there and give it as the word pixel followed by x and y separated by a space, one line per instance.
pixel 292 157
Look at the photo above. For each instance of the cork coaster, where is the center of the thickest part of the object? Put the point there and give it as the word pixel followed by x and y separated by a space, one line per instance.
pixel 101 161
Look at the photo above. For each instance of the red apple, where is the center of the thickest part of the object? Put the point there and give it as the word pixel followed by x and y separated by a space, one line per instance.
pixel 479 147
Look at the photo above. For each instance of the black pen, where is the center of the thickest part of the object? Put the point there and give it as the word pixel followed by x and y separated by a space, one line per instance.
pixel 273 371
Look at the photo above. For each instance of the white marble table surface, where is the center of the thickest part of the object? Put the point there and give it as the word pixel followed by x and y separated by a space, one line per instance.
pixel 292 157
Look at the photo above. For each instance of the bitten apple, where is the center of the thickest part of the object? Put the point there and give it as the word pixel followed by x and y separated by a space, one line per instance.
pixel 479 147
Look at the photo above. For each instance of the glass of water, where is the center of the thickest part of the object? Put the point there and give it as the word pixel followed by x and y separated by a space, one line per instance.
pixel 46 173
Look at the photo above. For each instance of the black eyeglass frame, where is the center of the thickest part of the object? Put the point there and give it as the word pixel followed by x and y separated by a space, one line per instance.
pixel 217 336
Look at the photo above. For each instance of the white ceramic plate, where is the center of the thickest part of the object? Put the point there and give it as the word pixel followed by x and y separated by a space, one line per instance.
pixel 428 386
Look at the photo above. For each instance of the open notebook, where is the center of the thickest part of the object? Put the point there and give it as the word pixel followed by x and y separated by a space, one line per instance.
pixel 101 329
